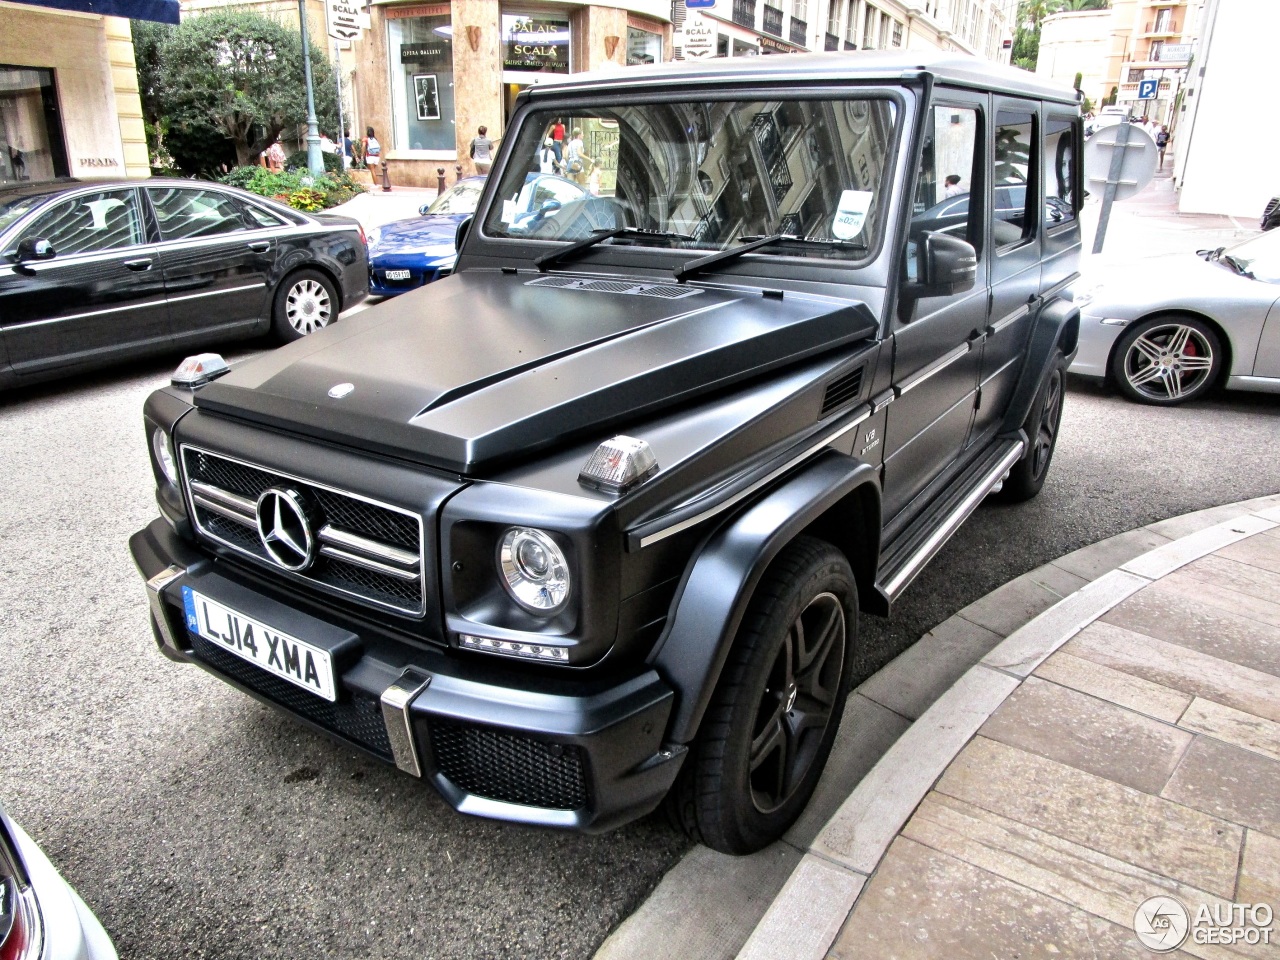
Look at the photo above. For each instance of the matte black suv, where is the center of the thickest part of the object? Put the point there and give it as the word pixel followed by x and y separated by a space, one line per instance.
pixel 590 523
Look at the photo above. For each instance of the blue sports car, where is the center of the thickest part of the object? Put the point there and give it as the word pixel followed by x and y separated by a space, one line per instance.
pixel 408 253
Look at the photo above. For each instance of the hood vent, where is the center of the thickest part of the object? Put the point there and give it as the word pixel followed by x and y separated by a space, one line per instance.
pixel 841 391
pixel 625 287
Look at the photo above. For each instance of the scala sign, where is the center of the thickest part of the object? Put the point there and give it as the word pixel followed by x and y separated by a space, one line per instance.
pixel 699 37
pixel 344 19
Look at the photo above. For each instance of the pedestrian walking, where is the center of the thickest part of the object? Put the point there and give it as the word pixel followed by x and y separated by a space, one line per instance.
pixel 951 186
pixel 548 162
pixel 273 157
pixel 575 160
pixel 557 138
pixel 1162 141
pixel 482 151
pixel 372 151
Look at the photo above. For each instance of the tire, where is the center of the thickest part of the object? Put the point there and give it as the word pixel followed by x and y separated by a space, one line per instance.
pixel 1167 360
pixel 775 713
pixel 1042 425
pixel 305 302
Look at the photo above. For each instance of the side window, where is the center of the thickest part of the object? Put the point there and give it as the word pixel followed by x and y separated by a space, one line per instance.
pixel 946 180
pixel 90 223
pixel 262 217
pixel 187 213
pixel 1060 202
pixel 1013 213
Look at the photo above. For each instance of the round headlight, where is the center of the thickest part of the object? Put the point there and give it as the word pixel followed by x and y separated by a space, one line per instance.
pixel 534 570
pixel 164 456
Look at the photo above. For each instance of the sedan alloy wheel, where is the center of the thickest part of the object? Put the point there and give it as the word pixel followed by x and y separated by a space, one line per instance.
pixel 1167 361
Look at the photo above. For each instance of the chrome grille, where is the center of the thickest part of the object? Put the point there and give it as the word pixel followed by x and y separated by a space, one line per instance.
pixel 370 551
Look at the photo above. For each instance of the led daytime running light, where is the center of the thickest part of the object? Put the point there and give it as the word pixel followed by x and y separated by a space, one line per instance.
pixel 527 651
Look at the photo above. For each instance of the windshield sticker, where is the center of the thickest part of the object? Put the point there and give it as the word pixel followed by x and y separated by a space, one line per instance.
pixel 851 214
pixel 508 211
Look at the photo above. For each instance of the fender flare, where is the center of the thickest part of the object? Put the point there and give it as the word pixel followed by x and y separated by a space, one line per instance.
pixel 720 580
pixel 1057 325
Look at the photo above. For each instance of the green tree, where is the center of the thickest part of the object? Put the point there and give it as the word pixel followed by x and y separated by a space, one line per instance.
pixel 239 74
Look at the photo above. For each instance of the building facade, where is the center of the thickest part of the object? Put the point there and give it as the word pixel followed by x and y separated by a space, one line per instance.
pixel 1077 42
pixel 427 76
pixel 69 103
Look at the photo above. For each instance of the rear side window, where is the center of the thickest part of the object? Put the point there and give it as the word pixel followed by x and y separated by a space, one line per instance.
pixel 187 213
pixel 1060 201
pixel 262 217
pixel 1013 216
pixel 948 188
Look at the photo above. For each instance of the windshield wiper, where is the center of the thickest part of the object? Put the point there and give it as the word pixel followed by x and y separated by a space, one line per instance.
pixel 599 236
pixel 755 243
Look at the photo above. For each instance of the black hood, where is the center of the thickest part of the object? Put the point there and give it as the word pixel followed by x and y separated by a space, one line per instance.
pixel 474 369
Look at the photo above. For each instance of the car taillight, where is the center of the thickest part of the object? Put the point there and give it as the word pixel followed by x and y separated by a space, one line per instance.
pixel 19 915
pixel 363 238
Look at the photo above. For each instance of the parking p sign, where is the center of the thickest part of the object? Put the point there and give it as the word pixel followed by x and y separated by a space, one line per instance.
pixel 1147 89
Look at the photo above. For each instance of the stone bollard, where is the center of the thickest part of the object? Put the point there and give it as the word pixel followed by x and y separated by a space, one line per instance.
pixel 439 180
pixel 386 177
pixel 458 174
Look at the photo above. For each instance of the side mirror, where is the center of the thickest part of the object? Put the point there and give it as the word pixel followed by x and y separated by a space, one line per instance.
pixel 35 248
pixel 947 265
pixel 549 208
pixel 460 234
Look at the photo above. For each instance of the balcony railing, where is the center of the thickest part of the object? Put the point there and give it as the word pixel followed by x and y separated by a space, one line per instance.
pixel 832 42
pixel 1158 29
pixel 772 20
pixel 744 13
pixel 799 32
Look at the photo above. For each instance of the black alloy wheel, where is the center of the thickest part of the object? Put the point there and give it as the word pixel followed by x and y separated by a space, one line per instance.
pixel 776 710
pixel 1042 426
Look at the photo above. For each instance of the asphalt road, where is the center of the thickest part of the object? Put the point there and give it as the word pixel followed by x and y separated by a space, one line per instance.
pixel 198 823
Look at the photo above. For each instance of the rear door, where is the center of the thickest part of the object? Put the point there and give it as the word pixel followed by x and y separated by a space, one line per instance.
pixel 217 263
pixel 1014 236
pixel 935 370
pixel 100 296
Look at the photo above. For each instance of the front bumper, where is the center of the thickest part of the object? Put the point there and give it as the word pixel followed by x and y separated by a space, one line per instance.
pixel 381 286
pixel 533 748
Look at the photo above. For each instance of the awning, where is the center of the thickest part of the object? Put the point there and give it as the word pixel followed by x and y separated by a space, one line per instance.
pixel 160 11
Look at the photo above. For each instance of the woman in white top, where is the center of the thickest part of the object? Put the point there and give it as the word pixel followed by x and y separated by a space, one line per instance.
pixel 547 157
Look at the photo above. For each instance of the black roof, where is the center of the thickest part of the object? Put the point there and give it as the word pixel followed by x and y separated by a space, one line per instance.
pixel 859 66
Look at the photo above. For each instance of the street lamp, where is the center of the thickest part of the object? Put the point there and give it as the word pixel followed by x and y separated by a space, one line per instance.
pixel 315 159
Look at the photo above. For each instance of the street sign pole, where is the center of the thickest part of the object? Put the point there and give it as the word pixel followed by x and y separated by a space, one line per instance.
pixel 1113 181
pixel 315 159
pixel 342 125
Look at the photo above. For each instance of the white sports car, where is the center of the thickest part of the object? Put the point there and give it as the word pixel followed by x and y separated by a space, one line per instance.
pixel 1169 329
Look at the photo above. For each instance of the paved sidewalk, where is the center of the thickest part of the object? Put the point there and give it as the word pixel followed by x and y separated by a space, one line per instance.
pixel 373 208
pixel 1123 744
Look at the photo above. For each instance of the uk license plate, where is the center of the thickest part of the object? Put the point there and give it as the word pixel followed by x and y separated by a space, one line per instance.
pixel 398 274
pixel 286 657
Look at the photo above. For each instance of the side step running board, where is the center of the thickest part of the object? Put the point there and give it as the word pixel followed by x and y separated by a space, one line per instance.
pixel 900 566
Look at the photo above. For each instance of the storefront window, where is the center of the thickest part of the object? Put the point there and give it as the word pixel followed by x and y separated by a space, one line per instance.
pixel 421 59
pixel 31 143
pixel 643 47
pixel 535 43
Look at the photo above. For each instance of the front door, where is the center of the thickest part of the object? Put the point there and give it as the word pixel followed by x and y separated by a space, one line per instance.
pixel 935 370
pixel 216 268
pixel 101 294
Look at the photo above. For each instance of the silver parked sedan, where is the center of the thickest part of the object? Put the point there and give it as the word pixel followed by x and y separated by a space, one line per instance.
pixel 41 916
pixel 1169 329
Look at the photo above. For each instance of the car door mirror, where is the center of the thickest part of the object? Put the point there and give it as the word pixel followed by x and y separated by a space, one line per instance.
pixel 946 265
pixel 34 248
pixel 549 208
pixel 461 233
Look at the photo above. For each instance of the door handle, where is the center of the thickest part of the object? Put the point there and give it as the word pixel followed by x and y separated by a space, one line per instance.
pixel 260 246
pixel 139 264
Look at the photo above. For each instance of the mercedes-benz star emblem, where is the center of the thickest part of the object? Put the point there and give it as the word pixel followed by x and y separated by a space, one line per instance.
pixel 340 390
pixel 285 529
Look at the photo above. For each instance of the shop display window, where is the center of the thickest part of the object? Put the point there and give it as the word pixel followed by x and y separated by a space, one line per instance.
pixel 31 141
pixel 421 60
pixel 643 47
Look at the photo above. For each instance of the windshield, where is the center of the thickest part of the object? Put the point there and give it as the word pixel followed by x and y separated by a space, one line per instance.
pixel 461 198
pixel 704 176
pixel 1258 256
